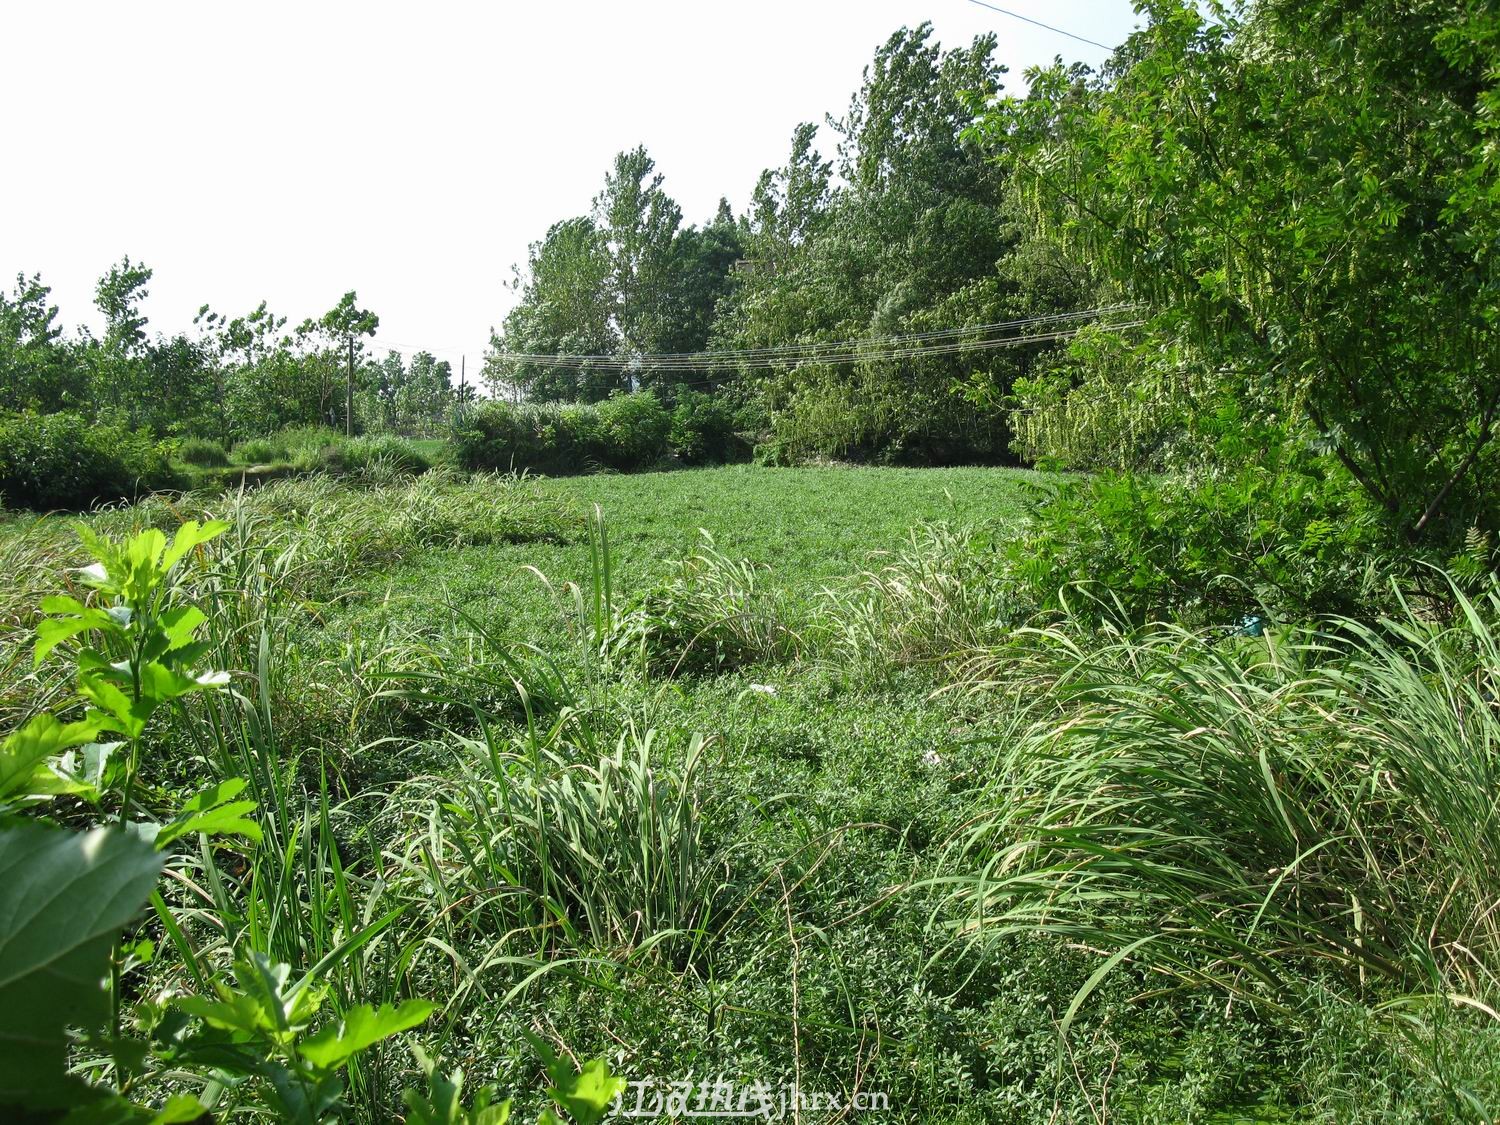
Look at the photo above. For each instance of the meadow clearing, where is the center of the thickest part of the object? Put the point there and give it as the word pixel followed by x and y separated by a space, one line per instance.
pixel 806 803
pixel 637 715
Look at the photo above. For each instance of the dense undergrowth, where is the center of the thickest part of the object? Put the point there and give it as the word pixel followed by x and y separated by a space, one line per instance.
pixel 528 783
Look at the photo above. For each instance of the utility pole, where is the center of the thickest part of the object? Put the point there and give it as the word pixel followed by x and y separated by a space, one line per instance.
pixel 463 372
pixel 349 396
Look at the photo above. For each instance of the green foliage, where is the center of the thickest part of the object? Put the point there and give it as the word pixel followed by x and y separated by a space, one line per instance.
pixel 386 451
pixel 260 1028
pixel 1209 547
pixel 703 430
pixel 203 452
pixel 940 597
pixel 64 897
pixel 920 235
pixel 708 616
pixel 443 1104
pixel 633 430
pixel 628 279
pixel 260 451
pixel 62 461
pixel 624 433
pixel 586 1095
pixel 610 851
pixel 38 371
pixel 1260 815
pixel 1292 188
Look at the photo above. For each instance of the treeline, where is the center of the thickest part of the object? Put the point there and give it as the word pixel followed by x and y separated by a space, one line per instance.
pixel 912 227
pixel 231 378
pixel 1295 202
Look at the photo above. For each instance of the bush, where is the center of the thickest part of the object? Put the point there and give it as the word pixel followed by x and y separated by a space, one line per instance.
pixel 1207 547
pixel 634 429
pixel 395 454
pixel 627 432
pixel 52 461
pixel 260 451
pixel 203 452
pixel 703 430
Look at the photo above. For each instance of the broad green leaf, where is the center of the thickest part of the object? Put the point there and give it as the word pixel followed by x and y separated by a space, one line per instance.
pixel 171 638
pixel 116 710
pixel 443 1104
pixel 24 757
pixel 213 812
pixel 300 1103
pixel 190 535
pixel 360 1028
pixel 64 897
pixel 53 631
pixel 587 1095
pixel 265 1003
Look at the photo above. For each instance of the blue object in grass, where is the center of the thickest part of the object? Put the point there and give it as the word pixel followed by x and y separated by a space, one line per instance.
pixel 1251 625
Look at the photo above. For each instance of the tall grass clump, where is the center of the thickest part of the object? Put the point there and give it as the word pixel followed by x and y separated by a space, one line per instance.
pixel 202 452
pixel 1264 816
pixel 940 597
pixel 710 614
pixel 582 846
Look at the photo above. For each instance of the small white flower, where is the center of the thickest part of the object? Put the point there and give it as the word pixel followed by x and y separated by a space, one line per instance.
pixel 763 689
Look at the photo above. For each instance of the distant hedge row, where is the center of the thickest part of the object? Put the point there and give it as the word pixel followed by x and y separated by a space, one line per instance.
pixel 54 461
pixel 627 432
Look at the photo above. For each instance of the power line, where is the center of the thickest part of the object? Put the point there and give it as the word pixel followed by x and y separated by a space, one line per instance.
pixel 948 347
pixel 965 338
pixel 1039 23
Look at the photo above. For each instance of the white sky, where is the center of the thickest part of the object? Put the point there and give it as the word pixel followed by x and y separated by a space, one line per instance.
pixel 291 151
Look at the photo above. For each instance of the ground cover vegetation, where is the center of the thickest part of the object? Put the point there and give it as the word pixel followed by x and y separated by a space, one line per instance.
pixel 373 775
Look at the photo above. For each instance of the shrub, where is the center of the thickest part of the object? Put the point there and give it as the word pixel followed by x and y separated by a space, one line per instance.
pixel 52 461
pixel 202 452
pixel 773 454
pixel 1209 546
pixel 634 429
pixel 627 432
pixel 703 430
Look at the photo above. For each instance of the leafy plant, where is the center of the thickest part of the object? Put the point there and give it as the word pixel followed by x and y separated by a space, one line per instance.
pixel 708 616
pixel 64 461
pixel 261 1029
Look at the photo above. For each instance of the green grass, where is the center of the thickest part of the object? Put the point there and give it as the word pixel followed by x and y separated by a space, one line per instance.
pixel 758 859
pixel 808 527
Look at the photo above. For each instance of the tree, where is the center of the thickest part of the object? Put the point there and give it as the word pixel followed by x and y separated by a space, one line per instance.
pixel 566 308
pixel 343 324
pixel 118 296
pixel 38 371
pixel 920 235
pixel 639 222
pixel 1304 195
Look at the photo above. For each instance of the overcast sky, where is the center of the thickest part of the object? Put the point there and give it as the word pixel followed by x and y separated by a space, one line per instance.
pixel 293 150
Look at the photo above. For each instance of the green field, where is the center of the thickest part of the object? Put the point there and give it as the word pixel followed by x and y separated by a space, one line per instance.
pixel 806 527
pixel 723 812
